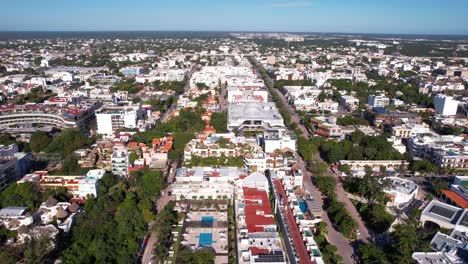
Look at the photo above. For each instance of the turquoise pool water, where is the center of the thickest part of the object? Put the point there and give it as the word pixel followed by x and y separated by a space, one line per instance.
pixel 205 239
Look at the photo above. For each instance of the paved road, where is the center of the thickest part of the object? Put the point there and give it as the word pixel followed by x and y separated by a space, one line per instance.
pixel 163 200
pixel 344 246
pixel 171 109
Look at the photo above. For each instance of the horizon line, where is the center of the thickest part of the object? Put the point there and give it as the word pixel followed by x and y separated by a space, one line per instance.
pixel 234 31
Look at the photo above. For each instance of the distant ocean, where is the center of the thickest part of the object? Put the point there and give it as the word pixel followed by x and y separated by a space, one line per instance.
pixel 12 35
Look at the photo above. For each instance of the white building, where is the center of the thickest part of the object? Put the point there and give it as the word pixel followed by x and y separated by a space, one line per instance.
pixel 254 116
pixel 277 139
pixel 401 191
pixel 349 102
pixel 120 160
pixel 206 182
pixel 445 105
pixel 247 94
pixel 378 101
pixel 113 117
pixel 87 186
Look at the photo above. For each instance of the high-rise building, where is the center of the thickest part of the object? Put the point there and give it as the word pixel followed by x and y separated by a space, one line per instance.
pixel 445 105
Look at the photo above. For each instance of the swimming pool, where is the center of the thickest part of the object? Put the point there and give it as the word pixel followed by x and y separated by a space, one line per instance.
pixel 207 219
pixel 205 239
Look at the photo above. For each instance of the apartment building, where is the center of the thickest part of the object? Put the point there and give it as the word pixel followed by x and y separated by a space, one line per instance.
pixel 407 131
pixel 349 102
pixel 277 139
pixel 258 240
pixel 216 145
pixel 206 182
pixel 120 160
pixel 445 151
pixel 113 117
pixel 378 101
pixel 445 105
pixel 247 94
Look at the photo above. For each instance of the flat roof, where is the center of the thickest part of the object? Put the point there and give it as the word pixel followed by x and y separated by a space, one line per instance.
pixel 13 211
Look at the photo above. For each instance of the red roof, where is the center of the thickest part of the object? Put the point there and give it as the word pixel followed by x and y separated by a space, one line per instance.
pixel 255 251
pixel 456 198
pixel 258 213
pixel 293 229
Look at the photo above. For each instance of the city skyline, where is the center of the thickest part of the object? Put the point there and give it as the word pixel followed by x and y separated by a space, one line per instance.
pixel 398 17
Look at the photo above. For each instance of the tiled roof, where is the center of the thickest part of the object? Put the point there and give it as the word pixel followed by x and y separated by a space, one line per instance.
pixel 456 198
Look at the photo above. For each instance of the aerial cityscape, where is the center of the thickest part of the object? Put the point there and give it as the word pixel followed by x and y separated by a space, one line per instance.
pixel 219 132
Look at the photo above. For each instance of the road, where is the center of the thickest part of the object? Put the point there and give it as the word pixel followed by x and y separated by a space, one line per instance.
pixel 172 108
pixel 344 246
pixel 163 200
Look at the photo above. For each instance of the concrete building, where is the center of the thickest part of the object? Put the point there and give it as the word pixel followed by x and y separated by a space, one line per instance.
pixel 378 101
pixel 401 191
pixel 444 215
pixel 357 167
pixel 349 102
pixel 458 193
pixel 258 240
pixel 254 117
pixel 445 151
pixel 14 217
pixel 87 187
pixel 249 94
pixel 445 105
pixel 37 115
pixel 208 146
pixel 206 182
pixel 132 70
pixel 277 139
pixel 113 117
pixel 120 160
pixel 407 131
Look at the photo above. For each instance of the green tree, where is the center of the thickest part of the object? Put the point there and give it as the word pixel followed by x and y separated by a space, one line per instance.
pixel 132 157
pixel 39 141
pixel 219 121
pixel 37 250
pixel 22 194
pixel 370 254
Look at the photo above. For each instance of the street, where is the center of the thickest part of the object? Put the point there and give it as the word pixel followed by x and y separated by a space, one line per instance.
pixel 344 246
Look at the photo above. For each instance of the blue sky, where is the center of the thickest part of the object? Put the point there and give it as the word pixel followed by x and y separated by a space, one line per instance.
pixel 354 16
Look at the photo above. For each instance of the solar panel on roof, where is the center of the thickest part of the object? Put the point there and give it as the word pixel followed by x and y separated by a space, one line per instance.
pixel 275 256
pixel 442 211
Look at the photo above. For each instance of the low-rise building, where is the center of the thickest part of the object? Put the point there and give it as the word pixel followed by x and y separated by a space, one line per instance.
pixel 349 102
pixel 15 217
pixel 400 191
pixel 445 151
pixel 258 240
pixel 206 182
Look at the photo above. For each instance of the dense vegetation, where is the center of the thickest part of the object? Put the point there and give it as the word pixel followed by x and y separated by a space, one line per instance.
pixel 336 210
pixel 182 127
pixel 219 121
pixel 329 251
pixel 113 224
pixel 360 147
pixel 163 228
pixel 351 120
pixel 177 87
pixel 187 256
